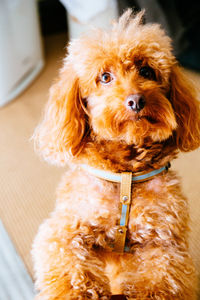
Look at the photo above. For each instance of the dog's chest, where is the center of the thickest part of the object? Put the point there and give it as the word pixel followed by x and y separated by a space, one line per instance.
pixel 97 201
pixel 148 203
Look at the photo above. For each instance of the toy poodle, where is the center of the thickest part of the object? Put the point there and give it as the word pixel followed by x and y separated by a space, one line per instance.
pixel 119 112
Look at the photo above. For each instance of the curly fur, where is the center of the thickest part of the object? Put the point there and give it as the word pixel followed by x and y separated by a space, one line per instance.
pixel 87 122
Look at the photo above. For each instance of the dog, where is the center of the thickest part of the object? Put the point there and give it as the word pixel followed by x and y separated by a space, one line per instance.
pixel 119 112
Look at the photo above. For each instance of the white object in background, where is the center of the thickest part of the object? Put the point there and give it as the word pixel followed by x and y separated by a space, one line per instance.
pixel 16 283
pixel 21 56
pixel 84 14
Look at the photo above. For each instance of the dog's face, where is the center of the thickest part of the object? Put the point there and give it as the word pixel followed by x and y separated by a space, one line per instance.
pixel 126 89
pixel 126 86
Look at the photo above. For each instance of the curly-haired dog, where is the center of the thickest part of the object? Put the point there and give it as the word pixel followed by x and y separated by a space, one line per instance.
pixel 120 106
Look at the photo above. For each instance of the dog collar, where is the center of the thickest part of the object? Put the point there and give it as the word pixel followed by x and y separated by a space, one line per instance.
pixel 125 179
pixel 117 177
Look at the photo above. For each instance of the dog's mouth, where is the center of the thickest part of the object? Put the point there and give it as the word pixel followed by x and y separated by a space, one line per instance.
pixel 151 120
pixel 142 117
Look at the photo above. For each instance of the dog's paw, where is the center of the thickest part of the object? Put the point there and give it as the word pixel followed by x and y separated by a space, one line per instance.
pixel 90 295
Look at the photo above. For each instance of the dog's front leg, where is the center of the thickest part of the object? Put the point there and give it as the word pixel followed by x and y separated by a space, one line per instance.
pixel 88 279
pixel 160 266
pixel 159 272
pixel 66 265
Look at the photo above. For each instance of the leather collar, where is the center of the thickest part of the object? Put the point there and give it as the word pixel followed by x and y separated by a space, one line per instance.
pixel 117 177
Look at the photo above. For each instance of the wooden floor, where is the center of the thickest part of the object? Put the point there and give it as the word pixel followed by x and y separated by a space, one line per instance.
pixel 28 185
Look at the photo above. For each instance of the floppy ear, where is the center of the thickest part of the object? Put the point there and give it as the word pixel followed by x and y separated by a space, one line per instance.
pixel 187 111
pixel 61 133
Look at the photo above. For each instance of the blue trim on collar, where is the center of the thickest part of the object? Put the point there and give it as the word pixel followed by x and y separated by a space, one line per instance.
pixel 149 175
pixel 123 215
pixel 116 177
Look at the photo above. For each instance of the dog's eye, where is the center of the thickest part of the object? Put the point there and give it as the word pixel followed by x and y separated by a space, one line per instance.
pixel 106 78
pixel 147 72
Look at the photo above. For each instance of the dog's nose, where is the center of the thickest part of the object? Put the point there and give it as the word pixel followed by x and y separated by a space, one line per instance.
pixel 135 102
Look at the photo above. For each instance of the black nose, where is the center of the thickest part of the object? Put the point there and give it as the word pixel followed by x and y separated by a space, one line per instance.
pixel 135 102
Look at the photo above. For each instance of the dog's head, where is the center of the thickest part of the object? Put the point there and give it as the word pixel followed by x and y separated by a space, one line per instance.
pixel 123 85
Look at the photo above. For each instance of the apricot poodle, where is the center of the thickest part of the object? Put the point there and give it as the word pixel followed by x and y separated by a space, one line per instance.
pixel 119 112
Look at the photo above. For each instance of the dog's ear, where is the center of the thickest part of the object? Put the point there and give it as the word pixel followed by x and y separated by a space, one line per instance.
pixel 187 111
pixel 62 130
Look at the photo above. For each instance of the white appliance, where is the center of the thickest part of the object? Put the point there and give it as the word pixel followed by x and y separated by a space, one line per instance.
pixel 82 15
pixel 21 56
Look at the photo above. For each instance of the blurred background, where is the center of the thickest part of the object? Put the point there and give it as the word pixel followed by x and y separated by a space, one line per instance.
pixel 33 39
